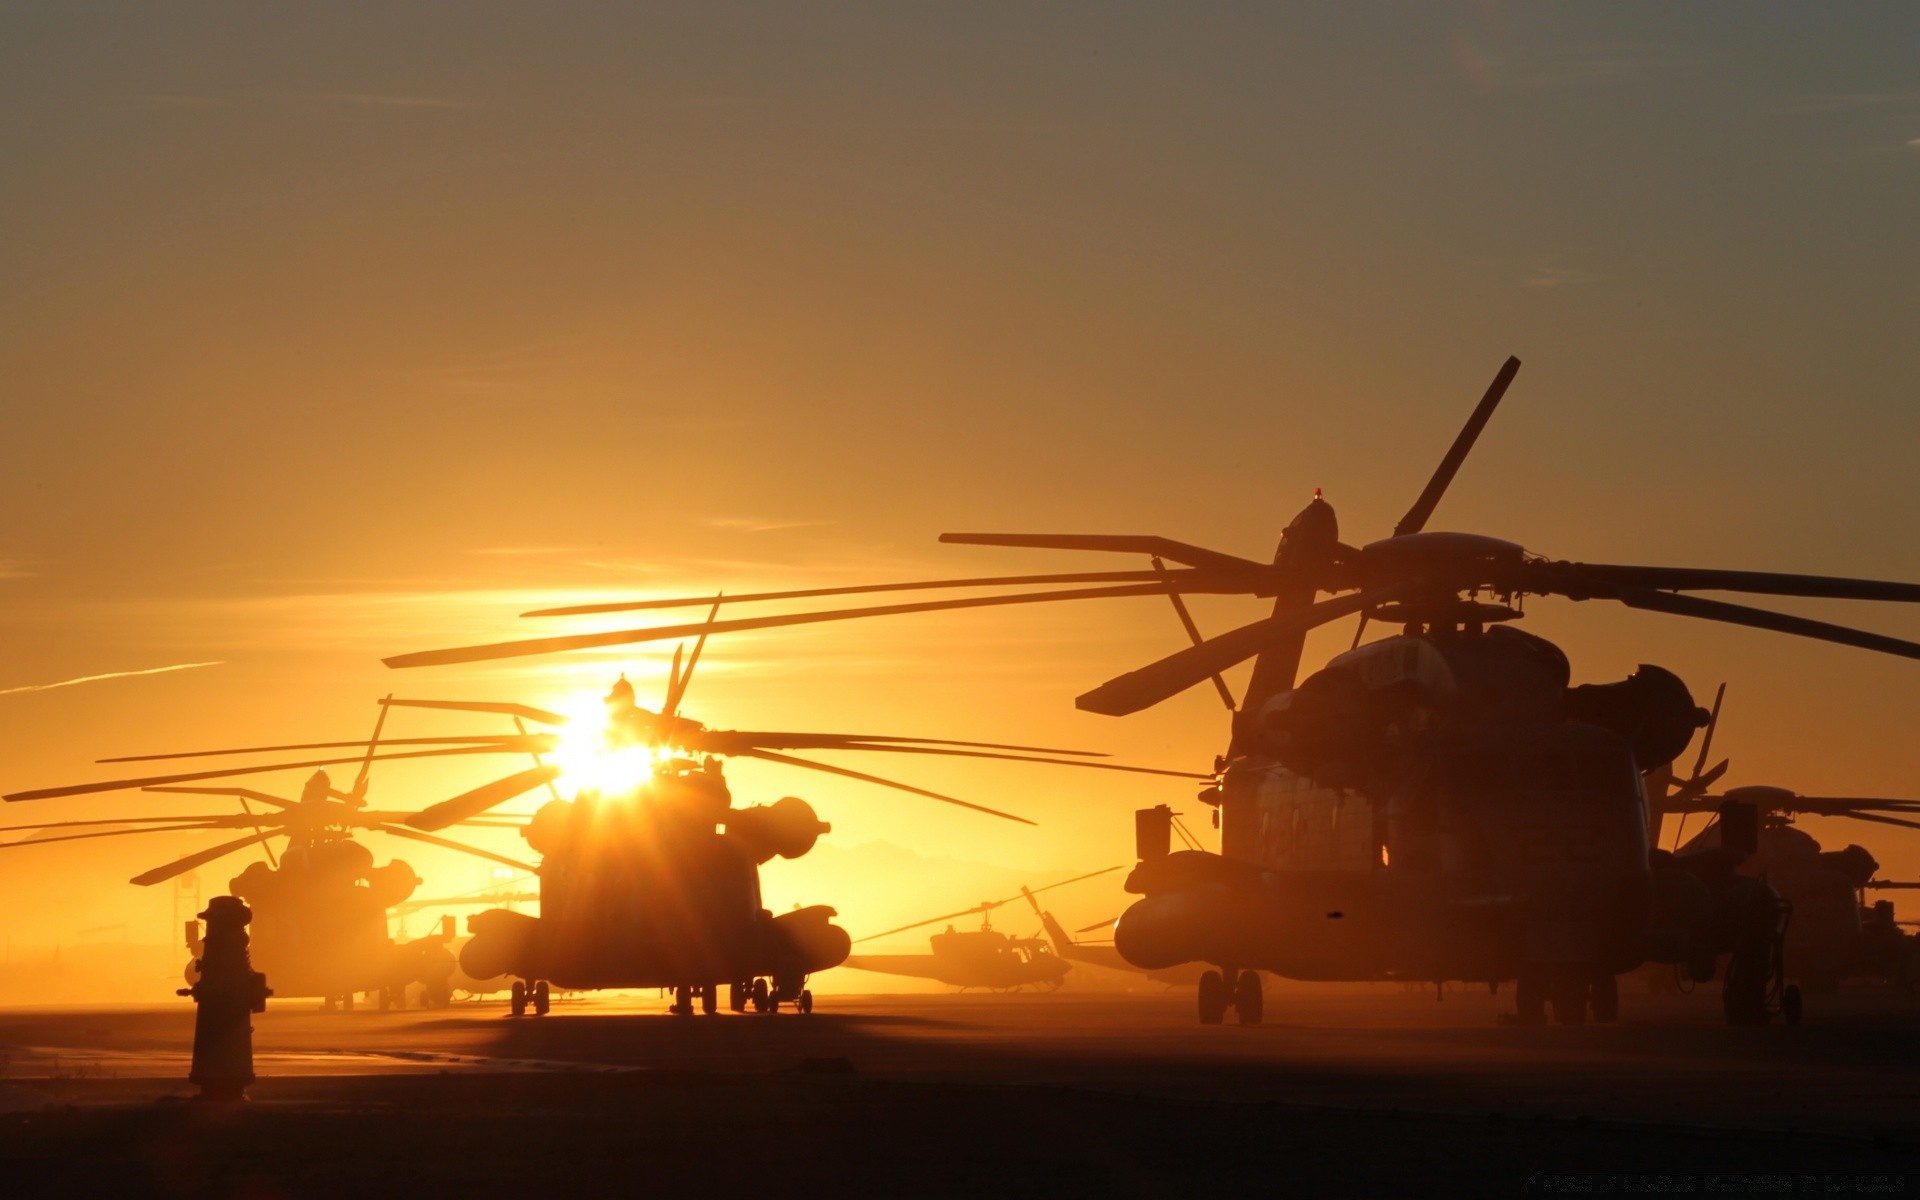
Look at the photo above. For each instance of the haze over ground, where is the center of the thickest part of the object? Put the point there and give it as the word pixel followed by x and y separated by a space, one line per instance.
pixel 325 339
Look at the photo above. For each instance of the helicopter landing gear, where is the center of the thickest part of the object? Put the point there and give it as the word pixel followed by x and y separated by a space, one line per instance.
pixel 737 996
pixel 517 998
pixel 1756 984
pixel 1243 995
pixel 1568 995
pixel 804 1004
pixel 1213 998
pixel 682 1001
pixel 709 998
pixel 542 998
pixel 761 996
pixel 1248 998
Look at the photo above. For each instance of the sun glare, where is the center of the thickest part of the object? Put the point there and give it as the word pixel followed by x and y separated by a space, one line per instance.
pixel 590 757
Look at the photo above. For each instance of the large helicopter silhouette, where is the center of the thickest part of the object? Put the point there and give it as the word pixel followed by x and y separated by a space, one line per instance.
pixel 319 927
pixel 978 958
pixel 653 881
pixel 1440 804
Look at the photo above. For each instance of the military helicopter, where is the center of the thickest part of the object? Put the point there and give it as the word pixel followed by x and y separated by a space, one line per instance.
pixel 320 905
pixel 650 878
pixel 1436 805
pixel 978 958
pixel 1836 933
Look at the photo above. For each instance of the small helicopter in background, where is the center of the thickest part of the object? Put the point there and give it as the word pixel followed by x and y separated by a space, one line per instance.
pixel 978 958
pixel 319 926
pixel 650 877
pixel 1836 933
pixel 1440 804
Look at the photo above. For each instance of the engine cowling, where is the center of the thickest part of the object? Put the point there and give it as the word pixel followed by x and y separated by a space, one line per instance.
pixel 787 828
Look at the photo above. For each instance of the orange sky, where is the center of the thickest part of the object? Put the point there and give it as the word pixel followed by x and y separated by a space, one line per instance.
pixel 330 334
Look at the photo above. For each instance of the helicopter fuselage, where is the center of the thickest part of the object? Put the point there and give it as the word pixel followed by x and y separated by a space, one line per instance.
pixel 1490 854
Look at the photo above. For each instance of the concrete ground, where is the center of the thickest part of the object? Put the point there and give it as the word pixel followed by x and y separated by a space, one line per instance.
pixel 1338 1092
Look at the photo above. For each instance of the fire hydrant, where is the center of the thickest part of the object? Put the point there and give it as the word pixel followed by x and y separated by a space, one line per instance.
pixel 229 991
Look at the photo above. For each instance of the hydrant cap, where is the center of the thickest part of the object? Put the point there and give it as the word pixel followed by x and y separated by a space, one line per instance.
pixel 227 908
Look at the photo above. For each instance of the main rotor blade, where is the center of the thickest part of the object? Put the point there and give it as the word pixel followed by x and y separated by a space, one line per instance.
pixel 239 793
pixel 1179 671
pixel 624 637
pixel 677 686
pixel 541 715
pixel 1713 722
pixel 1416 518
pixel 233 820
pixel 482 798
pixel 114 785
pixel 1106 924
pixel 1022 758
pixel 1888 803
pixel 954 916
pixel 990 905
pixel 810 765
pixel 1123 543
pixel 81 837
pixel 1064 882
pixel 180 865
pixel 1878 820
pixel 1194 636
pixel 582 610
pixel 401 831
pixel 1760 618
pixel 1579 579
pixel 290 747
pixel 831 741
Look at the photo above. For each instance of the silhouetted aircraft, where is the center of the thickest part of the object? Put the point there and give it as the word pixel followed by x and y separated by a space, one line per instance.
pixel 653 880
pixel 1441 804
pixel 978 958
pixel 319 907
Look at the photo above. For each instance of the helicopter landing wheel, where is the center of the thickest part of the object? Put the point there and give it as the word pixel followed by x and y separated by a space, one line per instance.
pixel 542 998
pixel 737 994
pixel 1213 998
pixel 1248 1000
pixel 805 1003
pixel 517 998
pixel 346 1002
pixel 683 1001
pixel 709 998
pixel 761 996
pixel 1569 998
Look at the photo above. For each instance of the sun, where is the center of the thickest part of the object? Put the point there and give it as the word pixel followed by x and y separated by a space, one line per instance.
pixel 592 758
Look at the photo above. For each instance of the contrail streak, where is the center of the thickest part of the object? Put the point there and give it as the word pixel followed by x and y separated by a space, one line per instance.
pixel 41 687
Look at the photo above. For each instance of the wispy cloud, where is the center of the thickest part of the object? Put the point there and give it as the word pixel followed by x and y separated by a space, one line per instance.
pixel 1489 66
pixel 760 524
pixel 1554 275
pixel 44 687
pixel 381 100
pixel 1855 101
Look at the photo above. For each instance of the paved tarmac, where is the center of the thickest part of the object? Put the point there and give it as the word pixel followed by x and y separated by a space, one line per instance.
pixel 1367 1089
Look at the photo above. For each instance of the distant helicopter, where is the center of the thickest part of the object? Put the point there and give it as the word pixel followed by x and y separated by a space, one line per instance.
pixel 319 926
pixel 978 958
pixel 652 878
pixel 1836 932
pixel 1436 805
